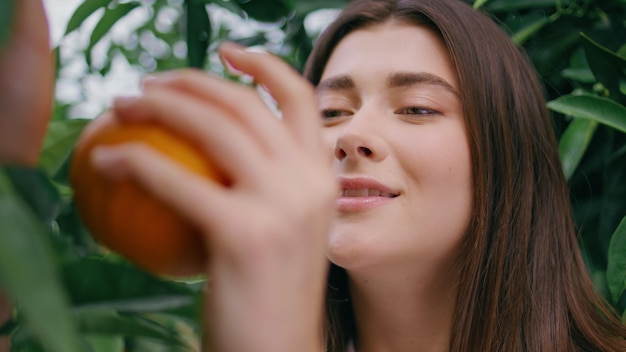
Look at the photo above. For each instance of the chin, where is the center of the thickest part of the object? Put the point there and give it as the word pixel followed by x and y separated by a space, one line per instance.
pixel 353 251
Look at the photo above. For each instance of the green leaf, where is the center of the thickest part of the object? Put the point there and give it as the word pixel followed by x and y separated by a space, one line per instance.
pixel 622 51
pixel 7 327
pixel 82 12
pixel 616 266
pixel 36 190
pixel 105 343
pixel 198 33
pixel 479 3
pixel 229 5
pixel 105 328
pixel 607 66
pixel 574 143
pixel 109 19
pixel 304 7
pixel 6 20
pixel 59 143
pixel 579 75
pixel 530 25
pixel 592 107
pixel 104 322
pixel 522 35
pixel 266 10
pixel 508 5
pixel 97 283
pixel 29 274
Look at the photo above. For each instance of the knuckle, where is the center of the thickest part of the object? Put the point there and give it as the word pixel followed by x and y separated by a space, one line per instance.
pixel 134 154
pixel 183 78
pixel 247 94
pixel 305 88
pixel 188 74
pixel 134 149
pixel 298 88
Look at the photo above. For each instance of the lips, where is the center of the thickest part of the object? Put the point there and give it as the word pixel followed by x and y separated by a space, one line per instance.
pixel 358 194
pixel 364 187
pixel 364 192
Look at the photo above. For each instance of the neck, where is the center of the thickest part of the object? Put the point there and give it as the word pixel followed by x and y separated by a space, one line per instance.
pixel 404 311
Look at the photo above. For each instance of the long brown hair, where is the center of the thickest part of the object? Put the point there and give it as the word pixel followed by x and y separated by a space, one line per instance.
pixel 523 285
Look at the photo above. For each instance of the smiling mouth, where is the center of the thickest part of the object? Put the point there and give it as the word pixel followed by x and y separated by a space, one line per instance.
pixel 364 192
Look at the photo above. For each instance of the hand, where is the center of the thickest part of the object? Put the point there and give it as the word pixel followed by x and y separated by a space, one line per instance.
pixel 26 85
pixel 266 231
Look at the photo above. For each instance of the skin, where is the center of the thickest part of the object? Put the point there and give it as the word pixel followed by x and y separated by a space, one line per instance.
pixel 267 272
pixel 411 137
pixel 26 85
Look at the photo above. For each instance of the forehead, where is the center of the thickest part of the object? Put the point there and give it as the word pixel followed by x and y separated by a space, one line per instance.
pixel 391 47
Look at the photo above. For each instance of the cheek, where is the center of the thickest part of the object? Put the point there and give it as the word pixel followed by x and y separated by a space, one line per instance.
pixel 440 169
pixel 441 158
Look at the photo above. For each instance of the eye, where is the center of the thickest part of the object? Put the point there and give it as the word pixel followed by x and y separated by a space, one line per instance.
pixel 329 114
pixel 416 110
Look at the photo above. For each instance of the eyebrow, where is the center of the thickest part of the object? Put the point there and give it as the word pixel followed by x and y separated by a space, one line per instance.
pixel 342 82
pixel 395 80
pixel 405 79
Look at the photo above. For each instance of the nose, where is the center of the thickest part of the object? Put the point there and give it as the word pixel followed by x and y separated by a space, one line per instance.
pixel 360 140
pixel 342 152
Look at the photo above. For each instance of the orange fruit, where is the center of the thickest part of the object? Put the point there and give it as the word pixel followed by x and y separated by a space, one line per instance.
pixel 125 217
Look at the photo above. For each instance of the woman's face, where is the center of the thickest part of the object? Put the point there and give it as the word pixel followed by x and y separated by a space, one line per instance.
pixel 394 123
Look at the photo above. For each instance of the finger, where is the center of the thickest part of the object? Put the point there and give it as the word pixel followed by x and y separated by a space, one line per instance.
pixel 31 24
pixel 295 96
pixel 26 85
pixel 244 103
pixel 224 141
pixel 198 199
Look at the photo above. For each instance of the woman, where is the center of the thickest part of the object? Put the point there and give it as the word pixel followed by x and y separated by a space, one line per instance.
pixel 452 231
pixel 513 277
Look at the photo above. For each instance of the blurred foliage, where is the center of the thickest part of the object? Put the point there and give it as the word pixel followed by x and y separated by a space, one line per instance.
pixel 579 49
pixel 73 295
pixel 6 11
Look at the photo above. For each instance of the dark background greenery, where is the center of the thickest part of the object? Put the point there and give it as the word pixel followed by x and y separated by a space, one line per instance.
pixel 73 295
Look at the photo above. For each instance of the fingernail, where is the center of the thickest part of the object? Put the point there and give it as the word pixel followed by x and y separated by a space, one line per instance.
pixel 158 77
pixel 232 46
pixel 256 50
pixel 147 80
pixel 124 102
pixel 230 68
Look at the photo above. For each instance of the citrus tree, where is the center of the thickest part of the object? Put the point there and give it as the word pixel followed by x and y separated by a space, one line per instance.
pixel 72 294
